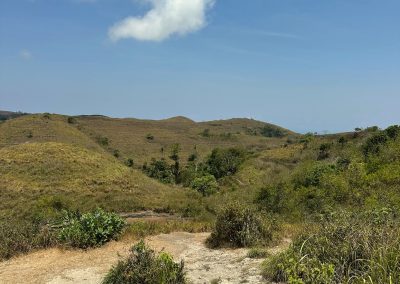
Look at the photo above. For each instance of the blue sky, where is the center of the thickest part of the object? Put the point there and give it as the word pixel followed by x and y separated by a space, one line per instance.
pixel 308 65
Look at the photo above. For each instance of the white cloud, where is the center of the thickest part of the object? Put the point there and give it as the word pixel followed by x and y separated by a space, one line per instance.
pixel 166 18
pixel 25 54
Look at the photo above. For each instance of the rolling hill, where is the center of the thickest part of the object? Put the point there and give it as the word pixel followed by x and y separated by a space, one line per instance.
pixel 74 158
pixel 142 140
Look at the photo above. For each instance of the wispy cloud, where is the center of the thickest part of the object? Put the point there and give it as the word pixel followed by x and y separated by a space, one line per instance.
pixel 25 54
pixel 166 18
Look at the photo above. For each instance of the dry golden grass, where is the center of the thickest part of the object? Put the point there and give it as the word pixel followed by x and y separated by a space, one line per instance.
pixel 38 128
pixel 129 135
pixel 84 178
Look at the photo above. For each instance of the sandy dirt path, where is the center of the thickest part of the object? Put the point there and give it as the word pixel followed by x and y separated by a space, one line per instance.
pixel 57 266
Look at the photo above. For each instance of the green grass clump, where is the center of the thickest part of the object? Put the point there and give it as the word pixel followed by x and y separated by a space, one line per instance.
pixel 241 226
pixel 146 267
pixel 90 229
pixel 257 253
pixel 345 248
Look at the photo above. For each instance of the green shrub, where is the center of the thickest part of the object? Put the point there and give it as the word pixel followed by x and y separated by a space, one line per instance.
pixel 312 174
pixel 241 226
pixel 161 170
pixel 225 162
pixel 324 151
pixel 257 253
pixel 345 248
pixel 205 133
pixel 393 131
pixel 206 185
pixel 374 144
pixel 273 198
pixel 90 229
pixel 116 153
pixel 103 141
pixel 71 120
pixel 145 267
pixel 129 163
pixel 270 131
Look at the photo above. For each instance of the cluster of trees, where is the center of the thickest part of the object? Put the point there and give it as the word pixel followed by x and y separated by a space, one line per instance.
pixel 358 175
pixel 375 143
pixel 200 175
pixel 270 131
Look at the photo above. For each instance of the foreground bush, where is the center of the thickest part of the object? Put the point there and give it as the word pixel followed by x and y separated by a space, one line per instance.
pixel 90 229
pixel 346 248
pixel 241 226
pixel 143 266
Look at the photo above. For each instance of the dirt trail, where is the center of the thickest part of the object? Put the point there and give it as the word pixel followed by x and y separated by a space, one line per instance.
pixel 56 266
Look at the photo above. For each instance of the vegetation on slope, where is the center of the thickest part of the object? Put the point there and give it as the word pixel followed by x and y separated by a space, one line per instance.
pixel 141 140
pixel 345 248
pixel 43 128
pixel 343 188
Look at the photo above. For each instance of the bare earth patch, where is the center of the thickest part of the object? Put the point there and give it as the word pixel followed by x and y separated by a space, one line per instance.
pixel 56 266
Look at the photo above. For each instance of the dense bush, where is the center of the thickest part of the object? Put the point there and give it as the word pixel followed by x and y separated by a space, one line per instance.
pixel 273 198
pixel 225 162
pixel 17 236
pixel 393 131
pixel 161 170
pixel 103 141
pixel 241 226
pixel 90 229
pixel 71 120
pixel 311 174
pixel 269 131
pixel 345 248
pixel 324 151
pixel 374 144
pixel 145 267
pixel 206 185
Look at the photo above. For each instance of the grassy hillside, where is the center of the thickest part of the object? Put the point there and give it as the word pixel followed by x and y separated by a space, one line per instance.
pixel 43 128
pixel 49 155
pixel 142 140
pixel 83 178
pixel 57 165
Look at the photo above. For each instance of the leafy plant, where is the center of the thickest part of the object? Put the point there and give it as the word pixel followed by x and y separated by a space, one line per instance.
pixel 206 185
pixel 161 170
pixel 144 266
pixel 90 229
pixel 225 162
